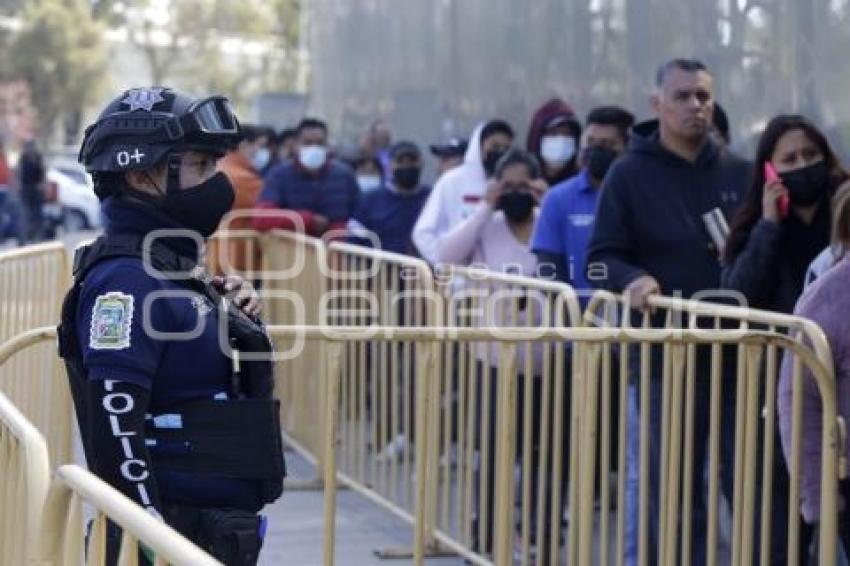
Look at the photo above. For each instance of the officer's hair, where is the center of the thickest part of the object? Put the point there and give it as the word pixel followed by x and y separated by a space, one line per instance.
pixel 621 118
pixel 307 123
pixel 516 156
pixel 109 183
pixel 688 65
pixel 114 183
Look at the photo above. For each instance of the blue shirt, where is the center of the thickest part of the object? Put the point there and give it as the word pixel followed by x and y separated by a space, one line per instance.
pixel 390 215
pixel 332 191
pixel 565 225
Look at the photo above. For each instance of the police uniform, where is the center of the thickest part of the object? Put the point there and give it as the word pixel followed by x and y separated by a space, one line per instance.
pixel 172 384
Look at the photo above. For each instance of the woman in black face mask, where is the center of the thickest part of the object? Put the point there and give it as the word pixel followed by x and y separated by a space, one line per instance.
pixel 784 221
pixel 781 226
pixel 498 237
pixel 499 233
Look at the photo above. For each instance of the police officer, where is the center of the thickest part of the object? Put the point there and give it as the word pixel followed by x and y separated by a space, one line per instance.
pixel 169 368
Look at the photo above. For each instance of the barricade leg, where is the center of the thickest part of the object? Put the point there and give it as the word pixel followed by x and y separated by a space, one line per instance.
pixel 332 353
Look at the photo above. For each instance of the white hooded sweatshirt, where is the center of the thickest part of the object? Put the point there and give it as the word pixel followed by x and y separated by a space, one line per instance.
pixel 458 194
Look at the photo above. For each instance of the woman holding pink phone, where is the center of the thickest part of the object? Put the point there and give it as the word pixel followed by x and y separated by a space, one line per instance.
pixel 781 226
pixel 784 221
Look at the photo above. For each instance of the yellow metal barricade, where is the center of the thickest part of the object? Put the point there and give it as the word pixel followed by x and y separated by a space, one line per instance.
pixel 464 424
pixel 24 479
pixel 591 347
pixel 691 389
pixel 33 281
pixel 37 527
pixel 294 284
pixel 235 252
pixel 377 410
pixel 63 537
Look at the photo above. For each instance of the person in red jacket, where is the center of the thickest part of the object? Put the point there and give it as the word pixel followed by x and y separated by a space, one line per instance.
pixel 553 138
pixel 318 193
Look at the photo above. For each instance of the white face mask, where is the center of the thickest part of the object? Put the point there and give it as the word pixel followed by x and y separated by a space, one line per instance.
pixel 313 156
pixel 261 158
pixel 368 183
pixel 557 150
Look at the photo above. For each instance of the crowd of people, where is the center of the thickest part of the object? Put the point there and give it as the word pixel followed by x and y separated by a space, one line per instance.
pixel 611 204
pixel 600 203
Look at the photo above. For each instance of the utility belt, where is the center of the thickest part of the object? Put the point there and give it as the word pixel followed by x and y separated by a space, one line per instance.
pixel 233 438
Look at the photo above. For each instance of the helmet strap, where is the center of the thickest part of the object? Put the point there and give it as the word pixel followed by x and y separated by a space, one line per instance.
pixel 155 186
pixel 173 180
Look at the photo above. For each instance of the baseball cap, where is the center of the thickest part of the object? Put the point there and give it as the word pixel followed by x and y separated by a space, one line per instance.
pixel 454 147
pixel 402 148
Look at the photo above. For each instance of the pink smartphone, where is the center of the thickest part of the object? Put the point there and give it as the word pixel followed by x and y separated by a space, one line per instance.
pixel 771 175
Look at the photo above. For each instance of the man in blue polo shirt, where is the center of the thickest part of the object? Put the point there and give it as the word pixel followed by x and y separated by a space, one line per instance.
pixel 569 208
pixel 564 228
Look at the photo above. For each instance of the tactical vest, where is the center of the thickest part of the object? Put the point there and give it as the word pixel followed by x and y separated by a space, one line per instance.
pixel 238 437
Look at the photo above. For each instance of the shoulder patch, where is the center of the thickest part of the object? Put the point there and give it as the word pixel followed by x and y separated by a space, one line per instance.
pixel 111 319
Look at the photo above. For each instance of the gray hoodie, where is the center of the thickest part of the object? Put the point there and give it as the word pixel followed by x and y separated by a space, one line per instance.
pixel 826 302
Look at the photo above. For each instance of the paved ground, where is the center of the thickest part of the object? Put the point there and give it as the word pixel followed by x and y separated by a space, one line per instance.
pixel 296 524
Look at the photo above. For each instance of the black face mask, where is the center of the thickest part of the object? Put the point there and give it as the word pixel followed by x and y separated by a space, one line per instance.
pixel 491 158
pixel 407 177
pixel 201 208
pixel 807 185
pixel 599 159
pixel 517 206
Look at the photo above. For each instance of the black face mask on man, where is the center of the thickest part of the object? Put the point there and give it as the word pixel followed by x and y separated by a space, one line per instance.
pixel 491 158
pixel 200 208
pixel 599 160
pixel 407 177
pixel 807 185
pixel 516 205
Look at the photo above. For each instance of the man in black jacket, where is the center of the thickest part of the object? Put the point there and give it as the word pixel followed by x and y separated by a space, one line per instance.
pixel 649 238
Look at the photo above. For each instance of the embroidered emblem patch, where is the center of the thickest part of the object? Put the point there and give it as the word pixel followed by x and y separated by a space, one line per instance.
pixel 143 98
pixel 111 319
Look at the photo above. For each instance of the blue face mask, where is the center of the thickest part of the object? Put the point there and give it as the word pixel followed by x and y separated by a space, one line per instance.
pixel 369 183
pixel 312 157
pixel 261 158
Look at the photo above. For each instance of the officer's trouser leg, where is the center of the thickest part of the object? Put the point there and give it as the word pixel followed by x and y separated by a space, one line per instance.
pixel 231 535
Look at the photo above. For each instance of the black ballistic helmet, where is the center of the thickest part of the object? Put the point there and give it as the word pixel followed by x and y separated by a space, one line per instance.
pixel 141 127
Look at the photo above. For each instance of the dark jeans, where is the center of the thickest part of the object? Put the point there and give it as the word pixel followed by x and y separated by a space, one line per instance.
pixel 844 519
pixel 702 407
pixel 398 393
pixel 540 536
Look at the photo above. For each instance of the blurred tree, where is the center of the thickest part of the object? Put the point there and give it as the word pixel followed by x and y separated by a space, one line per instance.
pixel 640 51
pixel 59 52
pixel 809 17
pixel 11 7
pixel 197 43
pixel 110 12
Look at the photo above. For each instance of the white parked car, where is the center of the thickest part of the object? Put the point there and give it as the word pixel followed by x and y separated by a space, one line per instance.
pixel 75 206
